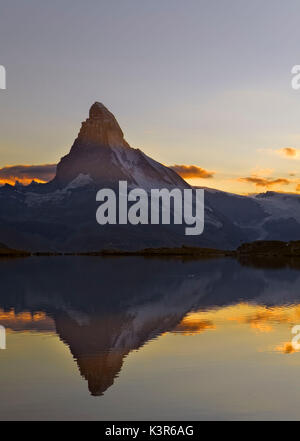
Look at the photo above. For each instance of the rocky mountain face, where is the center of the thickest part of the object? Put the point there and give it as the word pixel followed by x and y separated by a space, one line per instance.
pixel 61 215
pixel 101 153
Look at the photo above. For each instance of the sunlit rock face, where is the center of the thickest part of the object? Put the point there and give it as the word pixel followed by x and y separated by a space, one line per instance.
pixel 101 127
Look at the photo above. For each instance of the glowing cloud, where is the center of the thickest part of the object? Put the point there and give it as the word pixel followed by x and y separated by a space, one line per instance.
pixel 26 173
pixel 289 152
pixel 191 171
pixel 265 182
pixel 286 348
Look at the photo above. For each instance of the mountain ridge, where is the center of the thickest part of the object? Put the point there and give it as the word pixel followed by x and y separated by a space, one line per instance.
pixel 60 216
pixel 101 151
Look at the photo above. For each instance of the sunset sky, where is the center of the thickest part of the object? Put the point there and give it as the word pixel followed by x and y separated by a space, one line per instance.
pixel 201 85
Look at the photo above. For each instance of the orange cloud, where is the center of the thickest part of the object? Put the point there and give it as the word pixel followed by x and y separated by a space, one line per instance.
pixel 265 182
pixel 190 326
pixel 191 171
pixel 286 348
pixel 288 152
pixel 25 321
pixel 26 173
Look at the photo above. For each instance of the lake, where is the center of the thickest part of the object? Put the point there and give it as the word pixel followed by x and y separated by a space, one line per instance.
pixel 133 338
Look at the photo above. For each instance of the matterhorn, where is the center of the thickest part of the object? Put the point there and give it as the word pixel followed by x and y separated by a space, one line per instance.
pixel 61 214
pixel 102 155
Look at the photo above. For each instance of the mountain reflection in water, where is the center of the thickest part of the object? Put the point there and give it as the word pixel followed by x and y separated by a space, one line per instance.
pixel 104 308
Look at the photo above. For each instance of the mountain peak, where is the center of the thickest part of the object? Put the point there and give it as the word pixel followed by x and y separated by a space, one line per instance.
pixel 101 153
pixel 98 110
pixel 101 127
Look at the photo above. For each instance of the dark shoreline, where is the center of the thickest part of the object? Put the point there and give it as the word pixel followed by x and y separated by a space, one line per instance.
pixel 260 249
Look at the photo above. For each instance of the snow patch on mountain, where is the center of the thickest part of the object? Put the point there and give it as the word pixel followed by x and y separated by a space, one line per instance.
pixel 280 205
pixel 82 180
pixel 143 171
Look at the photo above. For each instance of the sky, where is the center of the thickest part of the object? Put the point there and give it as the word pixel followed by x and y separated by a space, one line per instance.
pixel 201 85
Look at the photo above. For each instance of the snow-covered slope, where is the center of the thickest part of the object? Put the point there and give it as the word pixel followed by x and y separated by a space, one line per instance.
pixel 266 216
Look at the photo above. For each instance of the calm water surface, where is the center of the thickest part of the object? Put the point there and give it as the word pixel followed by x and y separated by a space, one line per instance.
pixel 131 338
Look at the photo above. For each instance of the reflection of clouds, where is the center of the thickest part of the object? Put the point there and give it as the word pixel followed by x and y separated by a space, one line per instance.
pixel 286 348
pixel 190 326
pixel 26 321
pixel 260 318
pixel 259 326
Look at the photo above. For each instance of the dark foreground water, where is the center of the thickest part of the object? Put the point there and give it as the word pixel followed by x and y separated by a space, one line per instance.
pixel 133 338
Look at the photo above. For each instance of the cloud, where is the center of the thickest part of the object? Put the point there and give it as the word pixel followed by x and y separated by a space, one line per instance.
pixel 290 152
pixel 26 173
pixel 190 326
pixel 286 348
pixel 191 171
pixel 265 182
pixel 284 152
